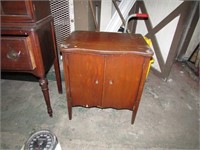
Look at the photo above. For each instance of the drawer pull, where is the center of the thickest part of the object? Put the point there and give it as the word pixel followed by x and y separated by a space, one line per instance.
pixel 13 55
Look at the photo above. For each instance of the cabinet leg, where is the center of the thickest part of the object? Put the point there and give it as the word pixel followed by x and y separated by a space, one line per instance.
pixel 56 61
pixel 58 76
pixel 69 109
pixel 133 117
pixel 44 86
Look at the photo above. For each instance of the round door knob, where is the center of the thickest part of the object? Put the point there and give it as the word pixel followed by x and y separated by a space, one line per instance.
pixel 96 82
pixel 111 82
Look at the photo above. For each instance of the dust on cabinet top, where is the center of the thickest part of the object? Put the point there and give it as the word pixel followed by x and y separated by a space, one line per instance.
pixel 106 43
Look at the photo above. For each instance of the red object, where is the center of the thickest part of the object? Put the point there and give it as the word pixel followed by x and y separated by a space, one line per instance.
pixel 142 15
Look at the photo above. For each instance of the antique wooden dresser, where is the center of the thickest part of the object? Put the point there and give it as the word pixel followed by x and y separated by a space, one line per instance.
pixel 28 42
pixel 105 70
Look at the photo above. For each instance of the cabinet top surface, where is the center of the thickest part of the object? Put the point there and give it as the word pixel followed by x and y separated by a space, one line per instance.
pixel 106 43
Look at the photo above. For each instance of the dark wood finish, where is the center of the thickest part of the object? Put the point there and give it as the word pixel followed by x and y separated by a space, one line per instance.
pixel 56 61
pixel 28 42
pixel 90 77
pixel 17 53
pixel 44 86
pixel 24 11
pixel 122 76
pixel 107 70
pixel 113 43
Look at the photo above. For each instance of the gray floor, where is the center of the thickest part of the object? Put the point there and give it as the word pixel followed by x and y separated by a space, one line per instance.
pixel 168 117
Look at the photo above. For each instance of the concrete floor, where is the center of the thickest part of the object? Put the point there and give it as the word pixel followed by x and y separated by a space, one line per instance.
pixel 168 117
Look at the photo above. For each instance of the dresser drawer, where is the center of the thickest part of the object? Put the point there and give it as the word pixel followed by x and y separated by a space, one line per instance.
pixel 16 53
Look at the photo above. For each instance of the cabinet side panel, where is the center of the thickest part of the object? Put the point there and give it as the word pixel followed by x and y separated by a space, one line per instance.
pixel 86 79
pixel 46 45
pixel 122 78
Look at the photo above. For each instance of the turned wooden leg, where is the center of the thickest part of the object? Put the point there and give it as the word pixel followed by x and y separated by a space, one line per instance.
pixel 44 86
pixel 56 61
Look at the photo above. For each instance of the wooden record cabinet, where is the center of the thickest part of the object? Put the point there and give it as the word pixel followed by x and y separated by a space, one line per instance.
pixel 28 41
pixel 106 70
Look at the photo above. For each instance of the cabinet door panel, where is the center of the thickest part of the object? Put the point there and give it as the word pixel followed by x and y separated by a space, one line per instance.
pixel 122 78
pixel 13 8
pixel 16 11
pixel 23 10
pixel 86 79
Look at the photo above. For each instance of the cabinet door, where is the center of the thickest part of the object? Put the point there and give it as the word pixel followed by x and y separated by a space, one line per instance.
pixel 86 79
pixel 16 11
pixel 122 79
pixel 23 10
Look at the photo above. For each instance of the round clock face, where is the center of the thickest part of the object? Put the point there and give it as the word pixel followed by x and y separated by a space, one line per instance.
pixel 42 140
